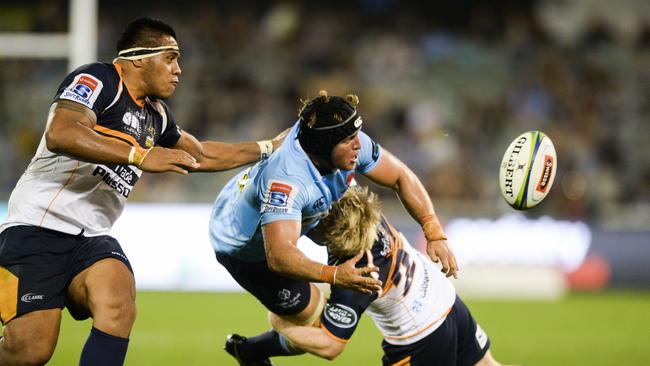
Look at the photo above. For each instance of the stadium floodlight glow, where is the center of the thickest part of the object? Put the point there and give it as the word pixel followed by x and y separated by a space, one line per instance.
pixel 515 240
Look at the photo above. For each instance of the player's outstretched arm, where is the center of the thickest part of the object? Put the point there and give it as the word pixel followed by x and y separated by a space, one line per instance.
pixel 308 338
pixel 391 172
pixel 215 156
pixel 284 257
pixel 70 132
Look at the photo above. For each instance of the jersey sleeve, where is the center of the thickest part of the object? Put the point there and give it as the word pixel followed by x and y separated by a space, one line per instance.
pixel 369 154
pixel 171 132
pixel 93 86
pixel 343 311
pixel 281 198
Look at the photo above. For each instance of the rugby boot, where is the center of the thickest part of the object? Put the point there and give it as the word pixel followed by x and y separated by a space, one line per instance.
pixel 234 343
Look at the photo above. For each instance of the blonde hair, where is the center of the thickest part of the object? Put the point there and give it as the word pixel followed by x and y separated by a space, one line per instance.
pixel 351 225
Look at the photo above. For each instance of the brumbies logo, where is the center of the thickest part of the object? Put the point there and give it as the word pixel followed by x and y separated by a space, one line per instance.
pixel 340 315
pixel 84 89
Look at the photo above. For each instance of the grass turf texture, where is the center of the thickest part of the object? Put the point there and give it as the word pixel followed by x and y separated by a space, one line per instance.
pixel 611 328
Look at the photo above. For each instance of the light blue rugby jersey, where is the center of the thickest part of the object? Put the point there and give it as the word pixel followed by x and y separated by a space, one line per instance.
pixel 286 186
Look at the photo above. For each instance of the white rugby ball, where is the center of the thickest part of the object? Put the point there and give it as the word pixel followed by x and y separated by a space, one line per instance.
pixel 528 170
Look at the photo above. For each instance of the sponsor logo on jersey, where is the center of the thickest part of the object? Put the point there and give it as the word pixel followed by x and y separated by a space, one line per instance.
pixel 481 337
pixel 416 307
pixel 288 302
pixel 243 179
pixel 375 151
pixel 385 241
pixel 278 197
pixel 85 86
pixel 548 169
pixel 319 204
pixel 349 179
pixel 119 177
pixel 340 315
pixel 424 285
pixel 29 297
pixel 279 194
pixel 284 294
pixel 132 119
pixel 84 89
pixel 120 255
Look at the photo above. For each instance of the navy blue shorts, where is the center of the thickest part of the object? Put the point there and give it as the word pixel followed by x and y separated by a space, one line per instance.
pixel 281 295
pixel 38 264
pixel 459 341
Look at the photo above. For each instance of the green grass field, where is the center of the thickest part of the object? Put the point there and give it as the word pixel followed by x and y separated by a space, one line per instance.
pixel 612 328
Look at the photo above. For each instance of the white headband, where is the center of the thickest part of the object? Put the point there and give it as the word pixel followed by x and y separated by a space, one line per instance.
pixel 138 53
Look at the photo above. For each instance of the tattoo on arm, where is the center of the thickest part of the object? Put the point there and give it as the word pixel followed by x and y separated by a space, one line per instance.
pixel 76 107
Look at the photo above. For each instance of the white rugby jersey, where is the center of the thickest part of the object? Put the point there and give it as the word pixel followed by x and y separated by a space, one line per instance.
pixel 414 302
pixel 64 194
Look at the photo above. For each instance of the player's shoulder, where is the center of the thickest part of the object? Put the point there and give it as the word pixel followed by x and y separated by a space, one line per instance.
pixel 93 85
pixel 288 164
pixel 105 72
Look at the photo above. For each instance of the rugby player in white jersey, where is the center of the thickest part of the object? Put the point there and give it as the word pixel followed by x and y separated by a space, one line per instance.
pixel 107 125
pixel 422 319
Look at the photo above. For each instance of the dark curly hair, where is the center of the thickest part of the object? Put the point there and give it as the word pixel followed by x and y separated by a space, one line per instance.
pixel 144 32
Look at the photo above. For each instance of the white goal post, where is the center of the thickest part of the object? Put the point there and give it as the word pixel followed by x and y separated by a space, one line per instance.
pixel 79 45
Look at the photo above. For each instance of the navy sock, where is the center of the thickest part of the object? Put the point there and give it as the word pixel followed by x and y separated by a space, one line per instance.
pixel 103 349
pixel 268 344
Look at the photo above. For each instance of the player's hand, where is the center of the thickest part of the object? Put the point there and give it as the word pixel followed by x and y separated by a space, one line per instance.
pixel 160 159
pixel 439 251
pixel 277 140
pixel 358 279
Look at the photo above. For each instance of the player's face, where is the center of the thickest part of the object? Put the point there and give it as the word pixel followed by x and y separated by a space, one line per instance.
pixel 346 153
pixel 162 71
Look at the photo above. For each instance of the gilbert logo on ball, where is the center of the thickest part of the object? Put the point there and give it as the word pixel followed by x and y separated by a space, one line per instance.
pixel 527 170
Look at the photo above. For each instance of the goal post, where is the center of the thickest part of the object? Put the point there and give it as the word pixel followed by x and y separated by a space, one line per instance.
pixel 78 46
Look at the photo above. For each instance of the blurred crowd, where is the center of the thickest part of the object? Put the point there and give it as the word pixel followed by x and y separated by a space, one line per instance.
pixel 445 89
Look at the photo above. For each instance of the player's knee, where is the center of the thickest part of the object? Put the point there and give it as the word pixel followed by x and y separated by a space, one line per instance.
pixel 30 351
pixel 115 316
pixel 332 351
pixel 38 356
pixel 329 355
pixel 311 314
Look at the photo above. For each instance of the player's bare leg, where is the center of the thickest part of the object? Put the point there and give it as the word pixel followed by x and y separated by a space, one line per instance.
pixel 30 338
pixel 258 349
pixel 488 360
pixel 106 292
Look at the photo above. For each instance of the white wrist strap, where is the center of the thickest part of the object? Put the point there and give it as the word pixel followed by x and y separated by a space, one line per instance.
pixel 266 148
pixel 132 156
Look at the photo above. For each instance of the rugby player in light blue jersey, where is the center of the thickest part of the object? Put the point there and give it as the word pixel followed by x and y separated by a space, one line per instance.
pixel 260 214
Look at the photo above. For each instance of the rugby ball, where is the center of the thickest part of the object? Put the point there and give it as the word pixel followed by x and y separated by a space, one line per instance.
pixel 528 170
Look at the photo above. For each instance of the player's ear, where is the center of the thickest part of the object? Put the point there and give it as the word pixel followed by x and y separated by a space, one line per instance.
pixel 138 63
